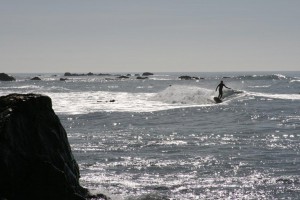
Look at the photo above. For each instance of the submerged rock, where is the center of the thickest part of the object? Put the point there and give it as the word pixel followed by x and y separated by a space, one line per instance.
pixel 36 159
pixel 122 77
pixel 5 77
pixel 142 77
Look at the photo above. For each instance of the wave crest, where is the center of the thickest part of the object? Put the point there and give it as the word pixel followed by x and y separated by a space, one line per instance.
pixel 262 77
pixel 179 94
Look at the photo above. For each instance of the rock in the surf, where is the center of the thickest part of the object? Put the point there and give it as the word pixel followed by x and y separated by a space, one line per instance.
pixel 36 79
pixel 6 77
pixel 142 77
pixel 188 77
pixel 147 74
pixel 122 77
pixel 36 159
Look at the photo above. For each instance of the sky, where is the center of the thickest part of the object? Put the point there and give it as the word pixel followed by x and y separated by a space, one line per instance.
pixel 149 35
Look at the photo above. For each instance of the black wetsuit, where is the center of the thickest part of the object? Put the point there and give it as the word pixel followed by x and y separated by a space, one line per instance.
pixel 221 85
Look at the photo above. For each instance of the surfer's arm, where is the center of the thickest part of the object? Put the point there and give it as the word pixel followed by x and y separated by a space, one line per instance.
pixel 217 87
pixel 227 87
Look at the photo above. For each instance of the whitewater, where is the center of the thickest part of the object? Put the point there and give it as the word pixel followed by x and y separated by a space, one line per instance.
pixel 165 138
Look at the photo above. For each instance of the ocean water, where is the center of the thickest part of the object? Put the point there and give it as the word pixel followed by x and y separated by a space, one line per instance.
pixel 164 138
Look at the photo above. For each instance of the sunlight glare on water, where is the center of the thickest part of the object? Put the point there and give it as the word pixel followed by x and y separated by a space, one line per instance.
pixel 166 139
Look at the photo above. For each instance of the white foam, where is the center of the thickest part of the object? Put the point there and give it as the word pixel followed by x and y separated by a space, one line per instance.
pixel 86 102
pixel 260 86
pixel 276 96
pixel 280 76
pixel 176 96
pixel 294 81
pixel 171 98
pixel 181 94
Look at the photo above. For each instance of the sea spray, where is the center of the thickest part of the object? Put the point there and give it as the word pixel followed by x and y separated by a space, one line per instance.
pixel 182 94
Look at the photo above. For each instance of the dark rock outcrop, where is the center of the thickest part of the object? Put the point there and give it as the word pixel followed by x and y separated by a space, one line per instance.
pixel 185 77
pixel 5 77
pixel 188 78
pixel 142 77
pixel 36 79
pixel 69 74
pixel 36 161
pixel 101 74
pixel 147 74
pixel 88 74
pixel 122 77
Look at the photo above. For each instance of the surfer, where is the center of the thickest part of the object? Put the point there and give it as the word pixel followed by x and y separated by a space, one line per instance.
pixel 220 86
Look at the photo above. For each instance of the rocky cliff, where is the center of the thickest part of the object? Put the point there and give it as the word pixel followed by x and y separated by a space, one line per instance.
pixel 36 161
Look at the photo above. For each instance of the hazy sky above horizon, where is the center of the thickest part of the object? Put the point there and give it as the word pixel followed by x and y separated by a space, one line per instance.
pixel 149 35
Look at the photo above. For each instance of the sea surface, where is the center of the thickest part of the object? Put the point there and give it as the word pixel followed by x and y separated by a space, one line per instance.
pixel 163 138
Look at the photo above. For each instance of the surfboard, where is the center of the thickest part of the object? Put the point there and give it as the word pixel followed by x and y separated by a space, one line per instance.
pixel 217 100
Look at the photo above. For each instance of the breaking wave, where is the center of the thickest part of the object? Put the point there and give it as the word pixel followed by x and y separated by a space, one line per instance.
pixel 180 94
pixel 262 77
pixel 276 96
